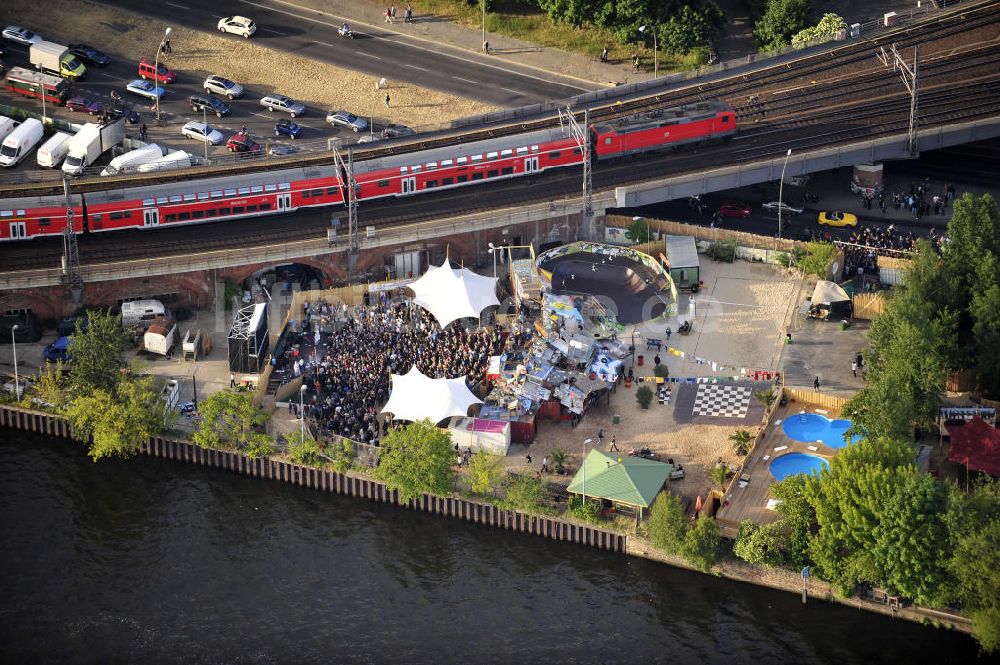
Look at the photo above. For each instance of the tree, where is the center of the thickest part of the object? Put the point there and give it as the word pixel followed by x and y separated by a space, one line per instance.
pixel 117 423
pixel 817 259
pixel 764 545
pixel 668 524
pixel 52 385
pixel 485 472
pixel 696 24
pixel 639 231
pixel 416 459
pixel 559 457
pixel 98 353
pixel 798 516
pixel 765 397
pixel 719 473
pixel 741 441
pixel 661 371
pixel 974 560
pixel 644 396
pixel 985 311
pixel 701 544
pixel 780 20
pixel 304 449
pixel 229 417
pixel 826 29
pixel 526 494
pixel 342 455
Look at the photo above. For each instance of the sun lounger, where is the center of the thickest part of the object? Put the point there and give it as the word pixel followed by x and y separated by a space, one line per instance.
pixel 745 478
pixel 813 448
pixel 780 448
pixel 677 474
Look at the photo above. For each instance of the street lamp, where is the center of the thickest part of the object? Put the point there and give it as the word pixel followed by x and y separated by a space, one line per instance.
pixel 655 68
pixel 204 119
pixel 156 70
pixel 17 380
pixel 583 467
pixel 302 414
pixel 485 48
pixel 781 189
pixel 42 90
pixel 493 250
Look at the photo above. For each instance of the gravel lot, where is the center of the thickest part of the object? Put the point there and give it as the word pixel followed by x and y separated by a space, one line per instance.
pixel 198 53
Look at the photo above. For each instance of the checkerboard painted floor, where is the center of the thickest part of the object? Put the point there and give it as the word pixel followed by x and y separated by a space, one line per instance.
pixel 722 401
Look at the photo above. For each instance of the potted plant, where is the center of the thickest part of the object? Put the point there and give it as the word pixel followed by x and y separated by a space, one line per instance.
pixel 741 441
pixel 661 371
pixel 559 461
pixel 719 474
pixel 644 396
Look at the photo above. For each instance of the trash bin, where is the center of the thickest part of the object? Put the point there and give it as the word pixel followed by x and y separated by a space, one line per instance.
pixel 844 324
pixel 616 419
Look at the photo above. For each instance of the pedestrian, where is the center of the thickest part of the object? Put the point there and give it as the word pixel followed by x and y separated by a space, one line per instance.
pixel 604 54
pixel 614 445
pixel 486 48
pixel 656 360
pixel 243 130
pixel 816 383
pixel 388 15
pixel 232 380
pixel 600 436
pixel 392 11
pixel 854 369
pixel 387 100
pixel 166 46
pixel 382 83
pixel 290 403
pixel 408 14
pixel 528 457
pixel 142 132
pixel 545 464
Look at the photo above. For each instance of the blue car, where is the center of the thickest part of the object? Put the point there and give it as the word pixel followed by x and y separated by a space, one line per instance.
pixel 146 89
pixel 57 350
pixel 287 128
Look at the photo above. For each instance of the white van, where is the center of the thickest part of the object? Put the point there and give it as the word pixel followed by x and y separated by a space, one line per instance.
pixel 53 150
pixel 6 126
pixel 174 160
pixel 131 160
pixel 141 312
pixel 20 142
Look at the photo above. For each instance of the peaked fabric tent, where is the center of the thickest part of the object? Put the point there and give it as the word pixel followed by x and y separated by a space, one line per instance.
pixel 976 445
pixel 829 300
pixel 414 396
pixel 633 481
pixel 450 294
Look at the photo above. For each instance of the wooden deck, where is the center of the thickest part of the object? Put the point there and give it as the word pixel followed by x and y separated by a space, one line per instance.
pixel 750 502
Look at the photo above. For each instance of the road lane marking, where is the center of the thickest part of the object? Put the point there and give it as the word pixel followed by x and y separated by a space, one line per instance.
pixel 107 76
pixel 187 9
pixel 370 55
pixel 459 78
pixel 324 44
pixel 516 92
pixel 415 67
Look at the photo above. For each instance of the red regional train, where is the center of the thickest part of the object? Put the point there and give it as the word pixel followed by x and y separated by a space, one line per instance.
pixel 282 191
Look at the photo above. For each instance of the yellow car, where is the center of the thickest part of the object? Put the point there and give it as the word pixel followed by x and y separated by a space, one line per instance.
pixel 837 219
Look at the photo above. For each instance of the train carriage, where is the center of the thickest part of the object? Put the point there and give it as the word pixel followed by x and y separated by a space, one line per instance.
pixel 664 128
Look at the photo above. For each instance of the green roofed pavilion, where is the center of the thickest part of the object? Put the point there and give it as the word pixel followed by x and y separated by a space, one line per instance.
pixel 633 481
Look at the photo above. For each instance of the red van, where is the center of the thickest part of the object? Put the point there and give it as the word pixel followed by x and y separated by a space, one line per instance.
pixel 148 70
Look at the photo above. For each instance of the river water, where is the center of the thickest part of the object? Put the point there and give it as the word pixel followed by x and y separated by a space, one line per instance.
pixel 149 561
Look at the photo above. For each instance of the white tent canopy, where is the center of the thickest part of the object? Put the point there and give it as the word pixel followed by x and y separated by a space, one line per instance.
pixel 415 396
pixel 828 292
pixel 450 294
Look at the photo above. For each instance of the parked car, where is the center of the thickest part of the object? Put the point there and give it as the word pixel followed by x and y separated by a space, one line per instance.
pixel 237 25
pixel 734 209
pixel 392 130
pixel 131 117
pixel 774 206
pixel 89 55
pixel 287 128
pixel 146 89
pixel 156 71
pixel 838 219
pixel 67 324
pixel 22 36
pixel 222 86
pixel 84 105
pixel 210 104
pixel 57 350
pixel 347 119
pixel 199 131
pixel 243 143
pixel 274 101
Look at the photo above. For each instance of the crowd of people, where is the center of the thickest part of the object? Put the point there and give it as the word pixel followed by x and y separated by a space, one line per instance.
pixel 346 373
pixel 920 200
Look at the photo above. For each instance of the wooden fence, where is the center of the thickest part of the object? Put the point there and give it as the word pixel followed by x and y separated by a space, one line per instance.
pixel 867 306
pixel 814 397
pixel 961 382
pixel 340 483
pixel 705 233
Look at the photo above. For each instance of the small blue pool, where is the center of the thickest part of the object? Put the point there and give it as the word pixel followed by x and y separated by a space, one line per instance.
pixel 796 463
pixel 813 428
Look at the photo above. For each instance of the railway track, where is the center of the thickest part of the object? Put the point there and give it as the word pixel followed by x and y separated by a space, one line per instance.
pixel 734 89
pixel 840 125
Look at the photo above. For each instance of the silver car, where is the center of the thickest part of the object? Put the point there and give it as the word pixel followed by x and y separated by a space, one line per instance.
pixel 774 206
pixel 347 119
pixel 276 102
pixel 223 86
pixel 199 131
pixel 19 35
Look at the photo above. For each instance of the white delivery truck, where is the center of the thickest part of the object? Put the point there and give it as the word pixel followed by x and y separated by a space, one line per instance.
pixel 133 159
pixel 21 141
pixel 53 150
pixel 141 312
pixel 160 337
pixel 56 59
pixel 6 126
pixel 91 142
pixel 174 160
